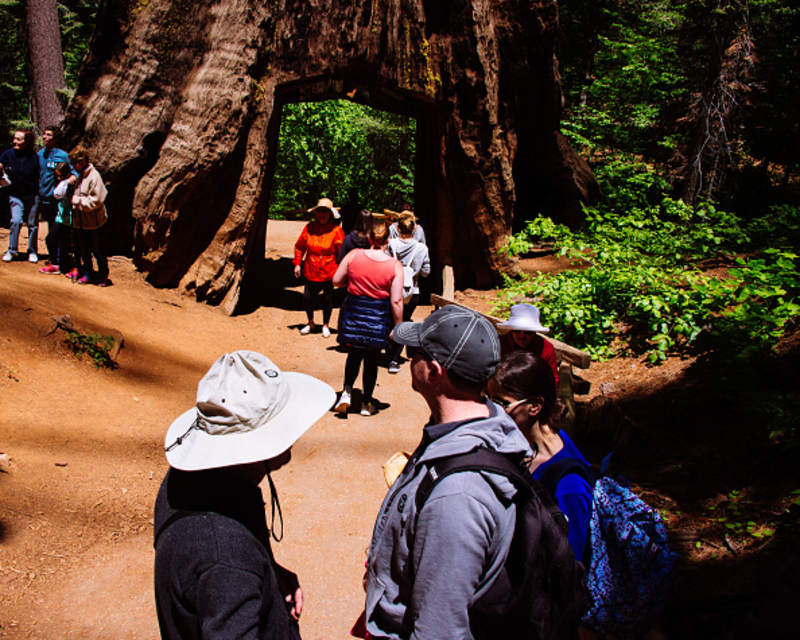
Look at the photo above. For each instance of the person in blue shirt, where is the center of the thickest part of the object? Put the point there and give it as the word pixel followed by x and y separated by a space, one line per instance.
pixel 21 166
pixel 524 385
pixel 50 156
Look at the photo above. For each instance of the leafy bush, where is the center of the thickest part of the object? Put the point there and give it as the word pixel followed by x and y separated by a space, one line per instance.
pixel 98 347
pixel 334 147
pixel 642 289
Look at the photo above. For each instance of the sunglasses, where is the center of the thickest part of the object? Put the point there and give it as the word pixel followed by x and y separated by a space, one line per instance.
pixel 508 407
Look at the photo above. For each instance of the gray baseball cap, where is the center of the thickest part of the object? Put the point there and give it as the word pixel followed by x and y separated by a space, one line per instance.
pixel 462 341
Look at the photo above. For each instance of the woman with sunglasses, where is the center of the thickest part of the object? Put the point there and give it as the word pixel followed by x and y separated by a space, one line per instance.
pixel 315 255
pixel 521 333
pixel 523 384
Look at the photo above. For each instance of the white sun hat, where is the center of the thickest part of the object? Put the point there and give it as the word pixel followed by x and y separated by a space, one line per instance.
pixel 524 317
pixel 247 410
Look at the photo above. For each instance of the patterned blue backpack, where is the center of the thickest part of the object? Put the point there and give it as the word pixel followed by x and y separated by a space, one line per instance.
pixel 631 569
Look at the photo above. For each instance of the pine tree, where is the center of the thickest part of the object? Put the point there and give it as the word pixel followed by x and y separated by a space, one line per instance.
pixel 46 60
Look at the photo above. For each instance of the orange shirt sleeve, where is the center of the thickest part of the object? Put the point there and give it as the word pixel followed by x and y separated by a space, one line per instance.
pixel 301 246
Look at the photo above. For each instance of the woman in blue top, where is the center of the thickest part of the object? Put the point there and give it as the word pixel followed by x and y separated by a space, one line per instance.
pixel 524 385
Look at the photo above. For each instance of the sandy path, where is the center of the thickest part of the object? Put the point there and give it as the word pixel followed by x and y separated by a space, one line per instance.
pixel 86 450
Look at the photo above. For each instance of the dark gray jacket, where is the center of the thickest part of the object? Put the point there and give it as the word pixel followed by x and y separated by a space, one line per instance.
pixel 214 569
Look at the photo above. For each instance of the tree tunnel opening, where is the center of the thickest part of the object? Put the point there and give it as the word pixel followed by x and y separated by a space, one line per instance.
pixel 373 152
pixel 356 155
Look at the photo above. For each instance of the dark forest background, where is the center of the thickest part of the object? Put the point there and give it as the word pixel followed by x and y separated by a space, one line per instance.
pixel 686 111
pixel 703 92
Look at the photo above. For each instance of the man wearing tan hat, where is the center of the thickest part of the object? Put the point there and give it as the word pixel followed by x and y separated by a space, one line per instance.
pixel 215 575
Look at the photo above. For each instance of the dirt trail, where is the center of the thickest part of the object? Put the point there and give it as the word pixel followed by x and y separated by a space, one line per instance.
pixel 85 446
pixel 86 450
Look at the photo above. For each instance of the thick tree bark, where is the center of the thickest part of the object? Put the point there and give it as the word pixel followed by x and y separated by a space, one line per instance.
pixel 182 117
pixel 47 62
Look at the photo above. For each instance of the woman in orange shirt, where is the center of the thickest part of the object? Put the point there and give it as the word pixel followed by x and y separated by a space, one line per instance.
pixel 315 257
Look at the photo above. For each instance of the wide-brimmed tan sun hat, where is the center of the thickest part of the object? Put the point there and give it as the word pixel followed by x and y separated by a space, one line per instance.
pixel 524 317
pixel 325 203
pixel 247 410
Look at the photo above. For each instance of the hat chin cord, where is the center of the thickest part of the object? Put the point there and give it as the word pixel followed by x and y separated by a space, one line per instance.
pixel 275 507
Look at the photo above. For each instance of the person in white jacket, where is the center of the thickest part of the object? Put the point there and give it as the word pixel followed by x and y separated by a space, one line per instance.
pixel 413 254
pixel 90 215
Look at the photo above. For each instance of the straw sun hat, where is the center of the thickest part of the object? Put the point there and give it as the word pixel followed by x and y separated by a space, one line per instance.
pixel 247 410
pixel 325 203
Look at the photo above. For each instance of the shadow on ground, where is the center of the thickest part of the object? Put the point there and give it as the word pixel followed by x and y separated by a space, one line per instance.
pixel 717 451
pixel 271 283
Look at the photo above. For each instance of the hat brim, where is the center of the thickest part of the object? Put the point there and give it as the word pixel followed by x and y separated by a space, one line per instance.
pixel 408 334
pixel 524 325
pixel 309 400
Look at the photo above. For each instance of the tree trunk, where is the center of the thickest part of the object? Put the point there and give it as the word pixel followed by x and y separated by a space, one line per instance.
pixel 714 113
pixel 592 44
pixel 183 116
pixel 46 60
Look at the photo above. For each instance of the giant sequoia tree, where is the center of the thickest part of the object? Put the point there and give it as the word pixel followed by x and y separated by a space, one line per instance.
pixel 180 104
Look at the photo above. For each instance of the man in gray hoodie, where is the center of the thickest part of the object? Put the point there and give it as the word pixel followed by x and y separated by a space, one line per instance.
pixel 426 570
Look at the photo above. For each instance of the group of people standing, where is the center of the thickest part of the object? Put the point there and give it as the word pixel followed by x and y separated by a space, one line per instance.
pixel 63 190
pixel 429 563
pixel 379 264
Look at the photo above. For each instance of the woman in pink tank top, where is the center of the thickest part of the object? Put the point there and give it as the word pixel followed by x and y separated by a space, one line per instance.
pixel 373 306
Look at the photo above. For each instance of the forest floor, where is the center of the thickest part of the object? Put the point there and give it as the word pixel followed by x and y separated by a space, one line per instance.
pixel 81 456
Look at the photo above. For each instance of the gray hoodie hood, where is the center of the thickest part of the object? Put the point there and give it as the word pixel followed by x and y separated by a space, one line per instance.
pixel 497 432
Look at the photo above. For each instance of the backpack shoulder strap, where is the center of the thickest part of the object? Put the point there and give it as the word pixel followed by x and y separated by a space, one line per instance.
pixel 612 467
pixel 480 459
pixel 556 471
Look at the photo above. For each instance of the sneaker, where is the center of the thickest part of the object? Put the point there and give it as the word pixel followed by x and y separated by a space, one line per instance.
pixel 368 409
pixel 32 257
pixel 344 403
pixel 394 367
pixel 105 282
pixel 8 256
pixel 74 275
pixel 306 330
pixel 84 280
pixel 51 269
pixel 326 333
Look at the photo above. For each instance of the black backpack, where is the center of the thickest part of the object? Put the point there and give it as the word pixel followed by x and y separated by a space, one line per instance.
pixel 540 592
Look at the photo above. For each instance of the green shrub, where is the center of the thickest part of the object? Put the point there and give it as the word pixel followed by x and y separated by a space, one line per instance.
pixel 94 345
pixel 644 291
